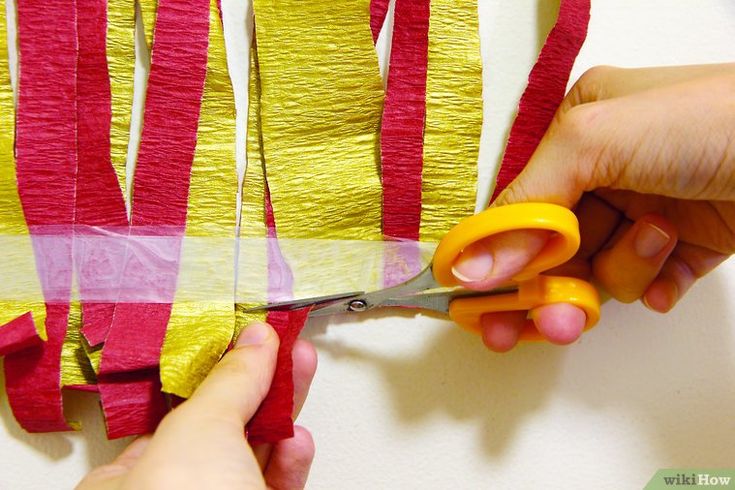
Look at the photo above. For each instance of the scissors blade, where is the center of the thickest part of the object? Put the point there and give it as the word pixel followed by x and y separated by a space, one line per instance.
pixel 303 303
pixel 434 301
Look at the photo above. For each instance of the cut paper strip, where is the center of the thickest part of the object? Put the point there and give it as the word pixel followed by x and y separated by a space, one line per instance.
pixel 132 402
pixel 120 51
pixel 33 380
pixel 252 206
pixel 378 12
pixel 402 130
pixel 273 421
pixel 320 111
pixel 547 84
pixel 46 172
pixel 18 260
pixel 148 13
pixel 161 183
pixel 402 136
pixel 19 334
pixel 76 369
pixel 99 199
pixel 453 117
pixel 199 332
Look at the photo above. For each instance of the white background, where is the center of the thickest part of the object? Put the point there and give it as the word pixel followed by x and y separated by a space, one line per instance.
pixel 402 402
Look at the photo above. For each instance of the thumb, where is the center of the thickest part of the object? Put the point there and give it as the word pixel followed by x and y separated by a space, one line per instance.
pixel 489 263
pixel 558 172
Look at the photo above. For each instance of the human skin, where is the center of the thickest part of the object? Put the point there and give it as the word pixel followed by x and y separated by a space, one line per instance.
pixel 646 159
pixel 201 443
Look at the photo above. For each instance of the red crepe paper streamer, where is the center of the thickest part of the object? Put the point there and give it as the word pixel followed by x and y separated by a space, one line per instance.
pixel 546 88
pixel 133 402
pixel 378 12
pixel 19 334
pixel 274 419
pixel 161 184
pixel 402 131
pixel 46 172
pixel 99 199
pixel 33 378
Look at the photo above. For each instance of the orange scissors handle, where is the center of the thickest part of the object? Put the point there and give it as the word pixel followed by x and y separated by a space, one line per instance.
pixel 531 294
pixel 533 290
pixel 561 247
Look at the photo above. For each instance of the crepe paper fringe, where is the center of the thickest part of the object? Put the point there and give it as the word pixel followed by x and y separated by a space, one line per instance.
pixel 274 419
pixel 453 117
pixel 76 369
pixel 199 333
pixel 322 98
pixel 148 13
pixel 46 173
pixel 33 379
pixel 19 334
pixel 12 222
pixel 547 84
pixel 402 131
pixel 120 51
pixel 175 86
pixel 99 199
pixel 378 12
pixel 132 402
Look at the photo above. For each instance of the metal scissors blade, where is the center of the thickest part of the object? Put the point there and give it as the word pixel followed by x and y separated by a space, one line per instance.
pixel 303 303
pixel 435 301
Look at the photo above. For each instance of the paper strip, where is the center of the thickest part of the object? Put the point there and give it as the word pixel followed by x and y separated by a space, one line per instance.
pixel 19 259
pixel 402 129
pixel 320 111
pixel 99 199
pixel 148 13
pixel 378 11
pixel 161 182
pixel 547 85
pixel 402 136
pixel 273 420
pixel 198 333
pixel 453 117
pixel 132 402
pixel 19 334
pixel 76 369
pixel 120 51
pixel 46 171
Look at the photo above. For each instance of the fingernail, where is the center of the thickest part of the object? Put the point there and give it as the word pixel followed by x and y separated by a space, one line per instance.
pixel 254 334
pixel 661 296
pixel 650 241
pixel 474 264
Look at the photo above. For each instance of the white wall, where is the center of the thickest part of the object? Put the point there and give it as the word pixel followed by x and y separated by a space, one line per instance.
pixel 402 402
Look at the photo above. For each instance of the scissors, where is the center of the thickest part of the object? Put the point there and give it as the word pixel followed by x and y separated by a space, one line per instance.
pixel 526 291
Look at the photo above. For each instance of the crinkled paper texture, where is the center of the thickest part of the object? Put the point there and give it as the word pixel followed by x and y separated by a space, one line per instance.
pixel 453 117
pixel 46 173
pixel 199 332
pixel 547 84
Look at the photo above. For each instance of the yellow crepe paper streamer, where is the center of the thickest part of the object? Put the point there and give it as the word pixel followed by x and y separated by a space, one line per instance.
pixel 252 207
pixel 321 104
pixel 75 365
pixel 18 260
pixel 148 14
pixel 453 117
pixel 121 66
pixel 199 332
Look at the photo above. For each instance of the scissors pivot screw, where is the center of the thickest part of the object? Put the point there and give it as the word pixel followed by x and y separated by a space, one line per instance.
pixel 357 305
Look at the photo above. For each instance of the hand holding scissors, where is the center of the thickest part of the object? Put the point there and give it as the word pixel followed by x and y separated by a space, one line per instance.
pixel 435 288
